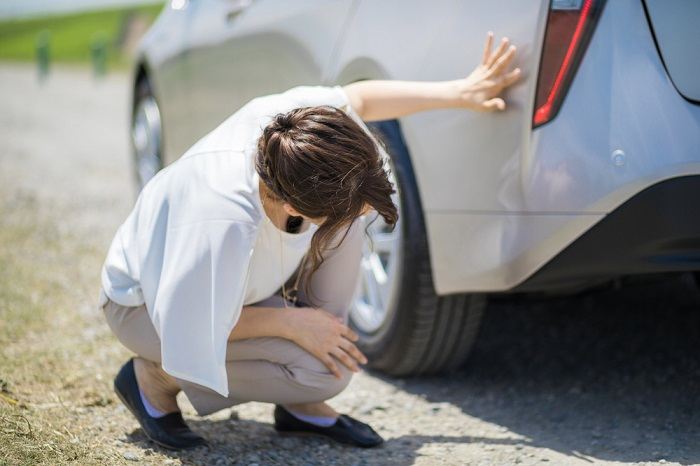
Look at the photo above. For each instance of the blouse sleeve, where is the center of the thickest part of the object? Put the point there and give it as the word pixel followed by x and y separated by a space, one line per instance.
pixel 199 297
pixel 312 96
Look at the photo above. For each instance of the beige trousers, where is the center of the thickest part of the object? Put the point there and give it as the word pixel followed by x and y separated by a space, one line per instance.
pixel 269 369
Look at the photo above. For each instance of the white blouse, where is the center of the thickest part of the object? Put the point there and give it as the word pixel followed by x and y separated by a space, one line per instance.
pixel 276 256
pixel 195 248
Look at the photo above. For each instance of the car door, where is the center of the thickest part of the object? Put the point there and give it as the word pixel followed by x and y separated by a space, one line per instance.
pixel 241 49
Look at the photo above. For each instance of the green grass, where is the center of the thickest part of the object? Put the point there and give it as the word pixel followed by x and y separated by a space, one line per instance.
pixel 72 36
pixel 53 344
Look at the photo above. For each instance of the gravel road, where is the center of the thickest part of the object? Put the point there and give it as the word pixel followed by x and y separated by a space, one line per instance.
pixel 609 377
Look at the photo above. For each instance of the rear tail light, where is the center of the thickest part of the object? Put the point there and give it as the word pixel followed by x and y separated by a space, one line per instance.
pixel 570 25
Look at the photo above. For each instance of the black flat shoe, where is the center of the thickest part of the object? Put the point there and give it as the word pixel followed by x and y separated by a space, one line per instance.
pixel 169 431
pixel 345 430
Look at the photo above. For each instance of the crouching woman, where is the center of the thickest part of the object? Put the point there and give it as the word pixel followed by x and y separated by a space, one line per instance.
pixel 233 276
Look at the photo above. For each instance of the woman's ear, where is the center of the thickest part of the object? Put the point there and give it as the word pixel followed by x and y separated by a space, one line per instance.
pixel 294 213
pixel 290 210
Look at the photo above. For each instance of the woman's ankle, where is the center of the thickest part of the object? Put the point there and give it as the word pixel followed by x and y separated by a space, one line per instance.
pixel 159 388
pixel 312 409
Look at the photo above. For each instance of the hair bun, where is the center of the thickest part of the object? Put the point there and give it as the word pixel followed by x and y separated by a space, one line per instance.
pixel 284 122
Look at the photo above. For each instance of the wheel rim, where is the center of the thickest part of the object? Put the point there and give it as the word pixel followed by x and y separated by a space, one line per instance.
pixel 380 270
pixel 145 135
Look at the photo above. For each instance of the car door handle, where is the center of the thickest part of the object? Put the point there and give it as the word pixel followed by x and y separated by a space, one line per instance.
pixel 235 8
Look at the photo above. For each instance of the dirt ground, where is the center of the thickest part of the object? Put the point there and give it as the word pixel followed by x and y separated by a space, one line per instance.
pixel 609 377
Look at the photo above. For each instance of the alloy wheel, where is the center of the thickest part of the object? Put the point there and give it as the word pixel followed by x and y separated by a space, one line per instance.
pixel 146 139
pixel 380 271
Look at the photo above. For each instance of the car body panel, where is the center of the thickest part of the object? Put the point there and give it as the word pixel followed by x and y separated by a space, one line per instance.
pixel 484 252
pixel 442 40
pixel 241 49
pixel 571 176
pixel 621 100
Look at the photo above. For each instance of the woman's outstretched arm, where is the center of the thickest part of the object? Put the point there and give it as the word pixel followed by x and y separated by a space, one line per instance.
pixel 388 99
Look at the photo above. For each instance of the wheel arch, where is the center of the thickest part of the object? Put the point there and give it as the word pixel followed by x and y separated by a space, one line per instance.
pixel 362 69
pixel 141 70
pixel 142 84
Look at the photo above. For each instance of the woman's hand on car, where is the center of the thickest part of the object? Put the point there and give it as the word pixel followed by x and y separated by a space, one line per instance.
pixel 480 90
pixel 325 336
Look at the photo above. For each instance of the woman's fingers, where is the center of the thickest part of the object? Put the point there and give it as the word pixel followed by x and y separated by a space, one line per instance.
pixel 487 48
pixel 503 62
pixel 510 78
pixel 494 104
pixel 352 350
pixel 345 358
pixel 328 361
pixel 499 51
pixel 348 333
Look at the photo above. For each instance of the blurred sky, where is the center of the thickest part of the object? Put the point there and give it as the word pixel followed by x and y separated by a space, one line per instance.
pixel 25 8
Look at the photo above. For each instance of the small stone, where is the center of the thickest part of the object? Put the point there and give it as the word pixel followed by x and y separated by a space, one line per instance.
pixel 437 407
pixel 130 456
pixel 372 406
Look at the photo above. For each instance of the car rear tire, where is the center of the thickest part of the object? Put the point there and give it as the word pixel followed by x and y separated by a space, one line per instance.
pixel 146 130
pixel 417 332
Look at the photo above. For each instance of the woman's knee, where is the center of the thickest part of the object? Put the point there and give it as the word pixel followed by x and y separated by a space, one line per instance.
pixel 316 377
pixel 338 384
pixel 134 329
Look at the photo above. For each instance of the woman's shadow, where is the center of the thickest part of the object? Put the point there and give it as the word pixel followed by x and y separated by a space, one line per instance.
pixel 247 442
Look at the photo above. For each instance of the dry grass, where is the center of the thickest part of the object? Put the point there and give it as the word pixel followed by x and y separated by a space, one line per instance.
pixel 57 354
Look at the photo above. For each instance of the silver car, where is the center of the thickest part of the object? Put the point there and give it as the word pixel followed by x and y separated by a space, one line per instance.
pixel 593 172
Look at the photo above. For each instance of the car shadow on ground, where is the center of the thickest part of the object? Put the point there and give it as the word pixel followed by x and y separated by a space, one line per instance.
pixel 608 375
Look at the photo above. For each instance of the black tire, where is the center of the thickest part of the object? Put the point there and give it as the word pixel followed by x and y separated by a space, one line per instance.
pixel 143 92
pixel 424 333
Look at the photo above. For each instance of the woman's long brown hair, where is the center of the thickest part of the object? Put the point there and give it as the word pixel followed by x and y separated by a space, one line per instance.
pixel 324 164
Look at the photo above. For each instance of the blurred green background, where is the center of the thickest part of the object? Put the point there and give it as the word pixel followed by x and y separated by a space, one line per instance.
pixel 108 35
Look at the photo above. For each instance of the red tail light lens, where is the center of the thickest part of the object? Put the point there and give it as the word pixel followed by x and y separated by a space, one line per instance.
pixel 570 25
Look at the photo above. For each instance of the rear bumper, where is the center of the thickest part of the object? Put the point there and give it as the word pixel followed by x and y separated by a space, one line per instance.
pixel 657 230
